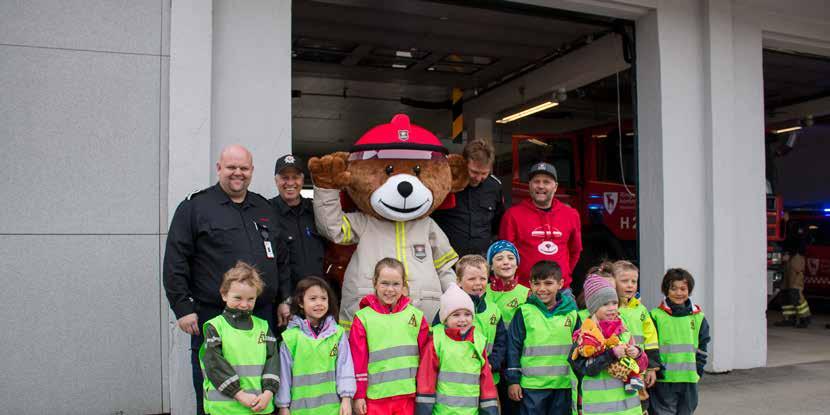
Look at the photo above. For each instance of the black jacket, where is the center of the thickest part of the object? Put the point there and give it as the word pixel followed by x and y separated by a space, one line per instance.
pixel 473 223
pixel 306 247
pixel 209 233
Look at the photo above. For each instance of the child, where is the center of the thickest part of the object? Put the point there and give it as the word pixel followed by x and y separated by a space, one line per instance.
pixel 387 336
pixel 602 393
pixel 539 341
pixel 239 355
pixel 605 270
pixel 683 336
pixel 638 321
pixel 505 290
pixel 471 274
pixel 454 376
pixel 315 361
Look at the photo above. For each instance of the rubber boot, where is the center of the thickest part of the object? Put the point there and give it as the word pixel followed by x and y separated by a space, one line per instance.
pixel 802 323
pixel 788 322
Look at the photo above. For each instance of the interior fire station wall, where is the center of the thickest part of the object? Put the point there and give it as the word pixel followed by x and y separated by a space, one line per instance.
pixel 83 138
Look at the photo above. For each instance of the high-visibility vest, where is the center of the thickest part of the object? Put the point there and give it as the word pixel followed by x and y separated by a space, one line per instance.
pixel 583 314
pixel 313 377
pixel 393 350
pixel 457 390
pixel 508 301
pixel 605 395
pixel 486 323
pixel 246 352
pixel 547 344
pixel 633 318
pixel 678 345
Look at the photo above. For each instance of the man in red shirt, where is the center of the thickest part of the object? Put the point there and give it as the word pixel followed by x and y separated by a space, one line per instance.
pixel 543 228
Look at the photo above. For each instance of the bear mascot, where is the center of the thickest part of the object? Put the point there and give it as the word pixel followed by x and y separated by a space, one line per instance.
pixel 396 174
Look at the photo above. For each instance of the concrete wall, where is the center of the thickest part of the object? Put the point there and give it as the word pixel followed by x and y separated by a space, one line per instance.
pixel 83 137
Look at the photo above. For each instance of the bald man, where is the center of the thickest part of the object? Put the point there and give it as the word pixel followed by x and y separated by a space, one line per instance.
pixel 211 230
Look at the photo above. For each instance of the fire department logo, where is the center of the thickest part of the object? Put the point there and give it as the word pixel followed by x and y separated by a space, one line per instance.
pixel 546 232
pixel 610 199
pixel 514 303
pixel 261 338
pixel 413 322
pixel 568 322
pixel 403 135
pixel 333 352
pixel 493 320
pixel 813 265
pixel 420 252
pixel 290 159
pixel 548 248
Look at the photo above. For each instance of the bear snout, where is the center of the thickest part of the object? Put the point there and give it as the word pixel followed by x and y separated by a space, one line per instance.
pixel 405 189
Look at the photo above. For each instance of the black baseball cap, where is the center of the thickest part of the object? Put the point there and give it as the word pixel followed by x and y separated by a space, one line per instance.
pixel 542 167
pixel 286 161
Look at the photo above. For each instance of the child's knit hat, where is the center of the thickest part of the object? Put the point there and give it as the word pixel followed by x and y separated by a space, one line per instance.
pixel 598 292
pixel 500 246
pixel 454 299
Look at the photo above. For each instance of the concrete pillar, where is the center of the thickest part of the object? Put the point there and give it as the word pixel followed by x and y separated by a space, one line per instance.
pixel 701 168
pixel 191 51
pixel 252 82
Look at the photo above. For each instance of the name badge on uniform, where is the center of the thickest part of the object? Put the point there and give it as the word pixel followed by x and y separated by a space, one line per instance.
pixel 269 251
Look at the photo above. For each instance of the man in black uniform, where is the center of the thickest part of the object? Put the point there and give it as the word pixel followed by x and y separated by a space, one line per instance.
pixel 211 230
pixel 306 247
pixel 474 221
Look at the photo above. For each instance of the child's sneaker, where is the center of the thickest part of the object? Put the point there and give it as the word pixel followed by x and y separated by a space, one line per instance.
pixel 634 384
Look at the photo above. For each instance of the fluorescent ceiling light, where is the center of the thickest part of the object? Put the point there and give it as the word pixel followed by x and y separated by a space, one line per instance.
pixel 532 110
pixel 786 130
pixel 538 142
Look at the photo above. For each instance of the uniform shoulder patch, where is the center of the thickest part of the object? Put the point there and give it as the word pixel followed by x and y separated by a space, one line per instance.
pixel 193 193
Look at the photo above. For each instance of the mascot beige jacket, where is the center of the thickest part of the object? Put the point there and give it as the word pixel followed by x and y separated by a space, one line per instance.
pixel 419 244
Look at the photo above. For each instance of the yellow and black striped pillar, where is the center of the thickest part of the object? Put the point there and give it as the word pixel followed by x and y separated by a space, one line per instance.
pixel 457 115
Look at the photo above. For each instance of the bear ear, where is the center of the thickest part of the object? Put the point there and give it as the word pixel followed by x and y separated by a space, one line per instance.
pixel 460 175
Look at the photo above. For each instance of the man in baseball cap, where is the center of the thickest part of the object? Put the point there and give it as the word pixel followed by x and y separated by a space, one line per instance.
pixel 306 247
pixel 543 228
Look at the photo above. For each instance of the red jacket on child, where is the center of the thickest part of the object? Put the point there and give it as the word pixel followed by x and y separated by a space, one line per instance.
pixel 428 376
pixel 360 347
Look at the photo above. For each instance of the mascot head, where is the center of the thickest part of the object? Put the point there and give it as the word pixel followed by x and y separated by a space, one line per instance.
pixel 397 171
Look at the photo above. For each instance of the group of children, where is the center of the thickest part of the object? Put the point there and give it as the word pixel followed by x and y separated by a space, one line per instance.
pixel 494 347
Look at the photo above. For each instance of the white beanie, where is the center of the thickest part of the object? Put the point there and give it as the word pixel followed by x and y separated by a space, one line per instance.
pixel 454 299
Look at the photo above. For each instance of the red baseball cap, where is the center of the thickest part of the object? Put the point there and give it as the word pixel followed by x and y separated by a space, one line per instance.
pixel 399 134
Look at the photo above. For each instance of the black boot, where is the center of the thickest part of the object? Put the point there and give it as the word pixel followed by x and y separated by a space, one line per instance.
pixel 787 322
pixel 802 323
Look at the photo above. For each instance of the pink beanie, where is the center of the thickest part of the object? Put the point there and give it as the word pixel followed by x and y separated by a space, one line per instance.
pixel 454 299
pixel 598 292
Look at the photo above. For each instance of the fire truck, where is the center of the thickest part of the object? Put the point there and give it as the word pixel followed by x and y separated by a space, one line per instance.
pixel 597 176
pixel 813 224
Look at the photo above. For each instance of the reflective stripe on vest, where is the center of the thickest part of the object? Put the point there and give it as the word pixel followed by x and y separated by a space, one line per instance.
pixel 544 358
pixel 633 319
pixel 457 389
pixel 606 395
pixel 313 379
pixel 246 351
pixel 486 323
pixel 678 341
pixel 508 301
pixel 392 340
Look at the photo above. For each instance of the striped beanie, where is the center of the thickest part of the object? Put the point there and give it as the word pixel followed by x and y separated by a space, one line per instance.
pixel 500 246
pixel 598 292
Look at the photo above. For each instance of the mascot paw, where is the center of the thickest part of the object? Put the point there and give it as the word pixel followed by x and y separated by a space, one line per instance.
pixel 329 171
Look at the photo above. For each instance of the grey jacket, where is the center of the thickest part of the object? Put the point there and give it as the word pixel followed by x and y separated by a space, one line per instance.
pixel 344 370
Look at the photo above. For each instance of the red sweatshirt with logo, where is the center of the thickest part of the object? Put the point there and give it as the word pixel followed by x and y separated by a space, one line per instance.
pixel 552 235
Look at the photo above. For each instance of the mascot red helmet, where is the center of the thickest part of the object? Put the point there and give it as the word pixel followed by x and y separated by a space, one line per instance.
pixel 398 140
